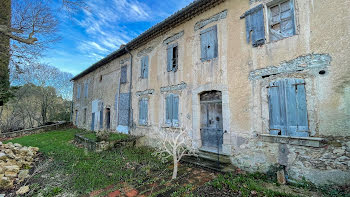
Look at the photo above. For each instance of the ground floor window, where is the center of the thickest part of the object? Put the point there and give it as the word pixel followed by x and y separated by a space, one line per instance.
pixel 172 110
pixel 287 108
pixel 143 111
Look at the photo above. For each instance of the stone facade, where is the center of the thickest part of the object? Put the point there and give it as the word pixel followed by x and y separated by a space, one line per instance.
pixel 317 53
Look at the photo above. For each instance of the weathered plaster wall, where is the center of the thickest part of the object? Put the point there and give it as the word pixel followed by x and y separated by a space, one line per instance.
pixel 242 73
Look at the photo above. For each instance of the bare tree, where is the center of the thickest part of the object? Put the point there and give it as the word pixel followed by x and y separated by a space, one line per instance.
pixel 173 143
pixel 27 28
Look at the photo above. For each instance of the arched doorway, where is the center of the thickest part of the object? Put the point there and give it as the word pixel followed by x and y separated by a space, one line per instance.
pixel 211 120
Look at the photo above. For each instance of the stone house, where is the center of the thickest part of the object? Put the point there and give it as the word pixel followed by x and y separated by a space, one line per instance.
pixel 264 82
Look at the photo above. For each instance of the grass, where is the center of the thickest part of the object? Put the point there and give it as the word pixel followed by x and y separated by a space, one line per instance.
pixel 88 171
pixel 112 136
pixel 245 184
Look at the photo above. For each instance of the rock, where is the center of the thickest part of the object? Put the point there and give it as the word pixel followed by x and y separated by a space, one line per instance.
pixel 6 183
pixel 3 156
pixel 23 174
pixel 17 145
pixel 12 168
pixel 22 190
pixel 338 151
pixel 281 179
pixel 0 143
pixel 11 174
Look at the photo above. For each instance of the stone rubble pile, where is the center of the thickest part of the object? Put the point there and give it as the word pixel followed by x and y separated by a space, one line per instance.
pixel 15 161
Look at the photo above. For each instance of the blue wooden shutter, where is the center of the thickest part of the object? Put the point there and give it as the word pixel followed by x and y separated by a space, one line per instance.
pixel 274 109
pixel 78 91
pixel 175 110
pixel 123 74
pixel 101 117
pixel 212 51
pixel 145 109
pixel 169 58
pixel 168 109
pixel 297 120
pixel 92 121
pixel 204 45
pixel 146 67
pixel 255 24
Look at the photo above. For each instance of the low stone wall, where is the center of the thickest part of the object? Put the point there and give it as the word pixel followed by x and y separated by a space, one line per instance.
pixel 35 130
pixel 103 145
pixel 328 163
pixel 15 161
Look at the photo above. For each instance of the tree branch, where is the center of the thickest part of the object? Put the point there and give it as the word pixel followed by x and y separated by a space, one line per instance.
pixel 8 32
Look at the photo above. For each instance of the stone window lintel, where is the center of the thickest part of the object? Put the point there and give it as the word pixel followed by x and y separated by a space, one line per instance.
pixel 299 141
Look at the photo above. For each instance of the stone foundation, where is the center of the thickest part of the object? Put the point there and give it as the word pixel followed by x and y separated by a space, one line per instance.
pixel 327 164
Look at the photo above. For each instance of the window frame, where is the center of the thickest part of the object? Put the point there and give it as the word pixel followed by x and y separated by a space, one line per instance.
pixel 170 120
pixel 204 48
pixel 78 91
pixel 124 72
pixel 293 119
pixel 269 18
pixel 144 67
pixel 170 60
pixel 143 122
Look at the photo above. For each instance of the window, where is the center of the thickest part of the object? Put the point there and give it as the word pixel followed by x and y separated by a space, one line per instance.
pixel 144 67
pixel 123 74
pixel 255 25
pixel 108 118
pixel 209 43
pixel 143 111
pixel 78 91
pixel 84 115
pixel 281 20
pixel 101 78
pixel 287 108
pixel 86 89
pixel 172 57
pixel 172 110
pixel 101 118
pixel 76 117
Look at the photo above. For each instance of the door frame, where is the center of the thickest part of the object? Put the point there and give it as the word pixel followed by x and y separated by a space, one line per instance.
pixel 196 136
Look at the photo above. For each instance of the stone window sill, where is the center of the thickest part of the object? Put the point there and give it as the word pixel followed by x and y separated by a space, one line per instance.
pixel 299 141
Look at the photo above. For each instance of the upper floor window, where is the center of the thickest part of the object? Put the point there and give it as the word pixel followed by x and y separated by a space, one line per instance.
pixel 209 43
pixel 78 91
pixel 172 57
pixel 281 20
pixel 123 74
pixel 287 108
pixel 144 67
pixel 172 110
pixel 143 111
pixel 86 89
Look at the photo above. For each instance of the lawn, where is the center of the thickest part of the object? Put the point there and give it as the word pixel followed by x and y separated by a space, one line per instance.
pixel 66 170
pixel 75 170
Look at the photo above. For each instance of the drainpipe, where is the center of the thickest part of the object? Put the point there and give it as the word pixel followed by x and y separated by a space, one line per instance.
pixel 130 105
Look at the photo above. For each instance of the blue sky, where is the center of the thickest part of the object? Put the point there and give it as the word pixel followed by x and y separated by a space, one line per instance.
pixel 88 36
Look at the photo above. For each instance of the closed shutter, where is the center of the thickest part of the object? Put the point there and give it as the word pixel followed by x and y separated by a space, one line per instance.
pixel 168 109
pixel 204 45
pixel 144 67
pixel 255 25
pixel 92 121
pixel 169 58
pixel 86 89
pixel 209 43
pixel 175 110
pixel 143 111
pixel 297 121
pixel 101 117
pixel 78 91
pixel 123 74
pixel 276 109
pixel 145 70
pixel 287 108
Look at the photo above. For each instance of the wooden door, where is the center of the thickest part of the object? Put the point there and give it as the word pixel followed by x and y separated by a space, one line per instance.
pixel 211 120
